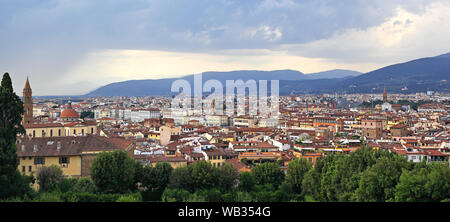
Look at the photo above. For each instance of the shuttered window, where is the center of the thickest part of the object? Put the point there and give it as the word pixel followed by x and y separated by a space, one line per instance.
pixel 63 160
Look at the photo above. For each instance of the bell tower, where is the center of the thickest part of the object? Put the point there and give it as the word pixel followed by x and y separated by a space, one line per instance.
pixel 27 104
pixel 384 95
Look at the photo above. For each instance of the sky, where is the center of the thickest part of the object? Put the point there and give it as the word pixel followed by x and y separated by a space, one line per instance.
pixel 72 47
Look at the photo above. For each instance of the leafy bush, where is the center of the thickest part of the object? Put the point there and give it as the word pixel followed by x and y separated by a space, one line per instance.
pixel 134 197
pixel 89 197
pixel 49 197
pixel 67 184
pixel 49 177
pixel 176 195
pixel 84 185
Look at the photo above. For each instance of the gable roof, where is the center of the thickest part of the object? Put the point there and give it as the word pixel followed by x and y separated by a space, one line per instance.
pixel 69 146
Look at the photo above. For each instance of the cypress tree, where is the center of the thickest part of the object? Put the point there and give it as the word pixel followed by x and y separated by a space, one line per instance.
pixel 11 110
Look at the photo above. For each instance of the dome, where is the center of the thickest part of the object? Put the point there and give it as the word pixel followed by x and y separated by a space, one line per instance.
pixel 69 113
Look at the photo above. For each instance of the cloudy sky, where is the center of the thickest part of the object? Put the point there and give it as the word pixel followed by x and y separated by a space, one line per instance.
pixel 71 47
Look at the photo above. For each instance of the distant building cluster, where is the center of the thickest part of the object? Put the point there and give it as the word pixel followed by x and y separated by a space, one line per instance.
pixel 70 133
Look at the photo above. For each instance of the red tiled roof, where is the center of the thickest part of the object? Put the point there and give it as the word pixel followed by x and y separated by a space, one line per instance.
pixel 70 146
pixel 69 113
pixel 42 125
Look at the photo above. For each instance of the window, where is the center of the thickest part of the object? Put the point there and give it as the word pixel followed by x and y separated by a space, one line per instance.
pixel 59 132
pixel 39 160
pixel 82 132
pixel 64 160
pixel 23 169
pixel 34 133
pixel 92 130
pixel 51 133
pixel 74 131
pixel 30 168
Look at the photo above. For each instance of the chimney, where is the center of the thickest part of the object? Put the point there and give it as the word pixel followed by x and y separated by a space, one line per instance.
pixel 58 145
pixel 35 148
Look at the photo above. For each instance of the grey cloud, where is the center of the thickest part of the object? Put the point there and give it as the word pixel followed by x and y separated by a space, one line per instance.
pixel 48 37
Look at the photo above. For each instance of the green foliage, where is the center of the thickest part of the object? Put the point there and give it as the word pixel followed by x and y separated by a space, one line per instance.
pixel 204 175
pixel 134 197
pixel 49 177
pixel 430 184
pixel 181 178
pixel 72 196
pixel 311 183
pixel 155 180
pixel 113 172
pixel 247 182
pixel 84 185
pixel 377 184
pixel 87 114
pixel 161 175
pixel 138 173
pixel 49 197
pixel 341 174
pixel 296 172
pixel 371 104
pixel 268 173
pixel 227 177
pixel 11 110
pixel 269 193
pixel 412 104
pixel 176 195
pixel 67 184
pixel 211 195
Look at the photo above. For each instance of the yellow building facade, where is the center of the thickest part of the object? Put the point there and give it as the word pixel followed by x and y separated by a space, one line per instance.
pixel 74 155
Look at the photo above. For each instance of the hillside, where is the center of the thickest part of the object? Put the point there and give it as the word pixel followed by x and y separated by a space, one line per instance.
pixel 413 76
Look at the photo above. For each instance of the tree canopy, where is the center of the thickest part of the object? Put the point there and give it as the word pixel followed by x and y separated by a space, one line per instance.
pixel 113 172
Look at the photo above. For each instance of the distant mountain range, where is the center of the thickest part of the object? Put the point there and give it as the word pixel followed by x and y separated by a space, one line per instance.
pixel 160 87
pixel 417 75
pixel 333 74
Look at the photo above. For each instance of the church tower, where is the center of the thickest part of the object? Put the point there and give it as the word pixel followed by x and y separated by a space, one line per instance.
pixel 384 96
pixel 27 104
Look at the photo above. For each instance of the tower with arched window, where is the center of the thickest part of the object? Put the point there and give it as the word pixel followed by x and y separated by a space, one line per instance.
pixel 27 104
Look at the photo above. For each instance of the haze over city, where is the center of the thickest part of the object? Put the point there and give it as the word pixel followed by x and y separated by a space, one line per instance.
pixel 77 46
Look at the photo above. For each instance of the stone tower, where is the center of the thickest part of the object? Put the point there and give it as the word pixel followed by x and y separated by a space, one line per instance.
pixel 384 96
pixel 27 104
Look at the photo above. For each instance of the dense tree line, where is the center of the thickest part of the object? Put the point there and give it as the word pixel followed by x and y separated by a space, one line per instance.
pixel 365 175
pixel 414 105
pixel 87 114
